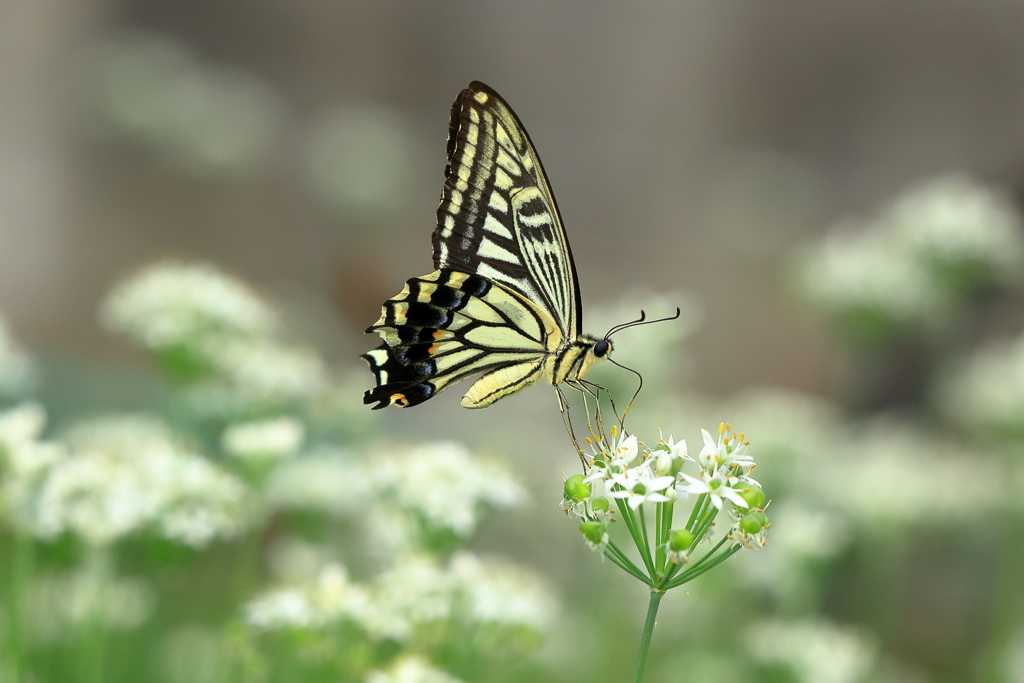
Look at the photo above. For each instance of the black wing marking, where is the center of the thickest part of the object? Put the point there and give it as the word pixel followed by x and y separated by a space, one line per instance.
pixel 497 216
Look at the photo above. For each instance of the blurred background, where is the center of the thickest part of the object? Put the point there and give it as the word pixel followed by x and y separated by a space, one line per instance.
pixel 203 205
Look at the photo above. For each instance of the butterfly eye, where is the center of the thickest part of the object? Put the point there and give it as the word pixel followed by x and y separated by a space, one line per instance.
pixel 602 348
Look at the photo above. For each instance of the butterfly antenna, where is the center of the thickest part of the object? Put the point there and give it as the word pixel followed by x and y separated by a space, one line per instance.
pixel 642 320
pixel 625 412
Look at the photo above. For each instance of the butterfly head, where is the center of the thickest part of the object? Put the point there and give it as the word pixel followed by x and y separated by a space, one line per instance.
pixel 603 348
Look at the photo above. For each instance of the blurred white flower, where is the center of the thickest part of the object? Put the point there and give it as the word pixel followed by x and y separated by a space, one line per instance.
pixel 498 592
pixel 893 473
pixel 329 598
pixel 444 484
pixel 124 474
pixel 859 269
pixel 252 375
pixel 955 220
pixel 17 370
pixel 264 440
pixel 815 651
pixel 986 390
pixel 411 669
pixel 170 305
pixel 326 480
pixel 21 425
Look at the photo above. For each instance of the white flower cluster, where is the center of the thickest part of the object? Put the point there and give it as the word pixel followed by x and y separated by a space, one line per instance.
pixel 324 480
pixel 937 241
pixel 897 474
pixel 956 220
pixel 986 391
pixel 655 475
pixel 17 371
pixel 444 484
pixel 113 477
pixel 815 651
pixel 419 591
pixel 221 334
pixel 174 304
pixel 264 440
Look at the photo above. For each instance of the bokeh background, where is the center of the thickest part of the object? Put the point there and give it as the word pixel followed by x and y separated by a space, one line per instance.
pixel 829 191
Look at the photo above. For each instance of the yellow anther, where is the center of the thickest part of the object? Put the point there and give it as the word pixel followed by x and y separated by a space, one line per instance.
pixel 721 428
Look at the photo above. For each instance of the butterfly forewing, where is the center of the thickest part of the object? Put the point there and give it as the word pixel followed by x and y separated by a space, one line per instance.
pixel 497 217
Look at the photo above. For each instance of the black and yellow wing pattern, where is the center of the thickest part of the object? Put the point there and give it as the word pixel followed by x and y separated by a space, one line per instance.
pixel 504 300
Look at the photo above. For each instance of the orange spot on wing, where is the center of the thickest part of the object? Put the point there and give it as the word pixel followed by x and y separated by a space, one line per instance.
pixel 399 400
pixel 438 334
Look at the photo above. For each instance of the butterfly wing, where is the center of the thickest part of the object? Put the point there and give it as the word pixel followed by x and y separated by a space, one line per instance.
pixel 497 216
pixel 505 295
pixel 447 326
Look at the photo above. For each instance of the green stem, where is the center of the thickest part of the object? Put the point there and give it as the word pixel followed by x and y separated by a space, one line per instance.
pixel 626 515
pixel 646 549
pixel 22 564
pixel 626 566
pixel 645 640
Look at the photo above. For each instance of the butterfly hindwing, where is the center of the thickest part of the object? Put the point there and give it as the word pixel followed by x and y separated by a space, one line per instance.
pixel 498 217
pixel 447 326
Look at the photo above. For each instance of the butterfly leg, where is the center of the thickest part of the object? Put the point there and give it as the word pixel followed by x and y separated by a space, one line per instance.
pixel 563 407
pixel 595 387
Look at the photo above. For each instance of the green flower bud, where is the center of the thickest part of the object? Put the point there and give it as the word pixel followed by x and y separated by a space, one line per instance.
pixel 576 489
pixel 753 495
pixel 753 522
pixel 593 531
pixel 679 540
pixel 600 504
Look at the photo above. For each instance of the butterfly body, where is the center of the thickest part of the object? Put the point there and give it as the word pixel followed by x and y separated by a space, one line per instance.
pixel 504 299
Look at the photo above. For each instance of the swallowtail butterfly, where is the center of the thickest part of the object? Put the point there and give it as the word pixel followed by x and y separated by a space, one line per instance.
pixel 504 300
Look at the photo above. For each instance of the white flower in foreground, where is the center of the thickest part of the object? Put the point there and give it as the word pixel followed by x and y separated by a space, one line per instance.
pixel 712 484
pixel 728 451
pixel 639 485
pixel 175 304
pixel 445 484
pixel 267 439
pixel 410 669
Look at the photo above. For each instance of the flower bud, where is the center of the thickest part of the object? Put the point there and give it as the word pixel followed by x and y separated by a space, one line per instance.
pixel 752 494
pixel 665 464
pixel 593 531
pixel 600 504
pixel 679 540
pixel 576 489
pixel 753 522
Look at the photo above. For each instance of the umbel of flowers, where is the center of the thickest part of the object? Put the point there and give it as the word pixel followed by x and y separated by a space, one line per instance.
pixel 627 478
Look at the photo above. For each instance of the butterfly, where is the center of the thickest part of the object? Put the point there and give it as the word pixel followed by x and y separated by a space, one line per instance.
pixel 504 301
